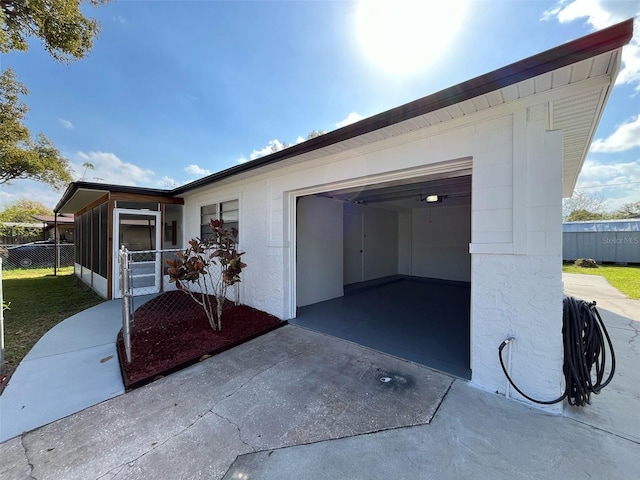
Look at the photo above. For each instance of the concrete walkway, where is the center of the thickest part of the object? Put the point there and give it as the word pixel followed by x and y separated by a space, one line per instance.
pixel 617 408
pixel 298 404
pixel 72 367
pixel 596 287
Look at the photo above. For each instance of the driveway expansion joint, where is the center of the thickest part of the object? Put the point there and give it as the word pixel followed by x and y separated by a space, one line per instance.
pixel 26 456
pixel 595 427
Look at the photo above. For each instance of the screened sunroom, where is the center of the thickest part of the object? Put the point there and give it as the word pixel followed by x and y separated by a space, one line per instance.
pixel 108 217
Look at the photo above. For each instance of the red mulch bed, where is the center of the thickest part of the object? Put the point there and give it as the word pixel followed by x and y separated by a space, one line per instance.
pixel 165 339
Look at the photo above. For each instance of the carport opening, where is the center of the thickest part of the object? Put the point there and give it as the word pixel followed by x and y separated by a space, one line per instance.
pixel 389 268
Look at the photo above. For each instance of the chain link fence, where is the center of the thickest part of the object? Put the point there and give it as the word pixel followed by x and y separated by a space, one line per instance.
pixel 2 307
pixel 149 296
pixel 37 255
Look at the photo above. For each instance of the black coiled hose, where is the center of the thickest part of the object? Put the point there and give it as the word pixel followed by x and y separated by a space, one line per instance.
pixel 583 334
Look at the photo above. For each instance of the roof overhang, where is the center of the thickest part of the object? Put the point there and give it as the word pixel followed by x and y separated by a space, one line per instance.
pixel 575 79
pixel 80 194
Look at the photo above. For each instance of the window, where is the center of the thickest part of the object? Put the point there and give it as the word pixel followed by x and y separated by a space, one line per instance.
pixel 228 212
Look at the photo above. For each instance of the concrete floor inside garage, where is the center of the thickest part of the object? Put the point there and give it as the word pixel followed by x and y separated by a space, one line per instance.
pixel 422 320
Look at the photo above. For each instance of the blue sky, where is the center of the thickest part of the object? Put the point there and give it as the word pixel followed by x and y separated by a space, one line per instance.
pixel 174 90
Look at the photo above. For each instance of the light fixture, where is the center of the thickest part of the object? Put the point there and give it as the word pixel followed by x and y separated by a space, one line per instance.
pixel 431 198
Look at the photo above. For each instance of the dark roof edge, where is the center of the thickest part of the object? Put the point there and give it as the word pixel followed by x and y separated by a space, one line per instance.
pixel 72 188
pixel 588 46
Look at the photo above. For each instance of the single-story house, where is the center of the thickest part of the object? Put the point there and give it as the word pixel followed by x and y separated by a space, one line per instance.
pixel 59 226
pixel 14 233
pixel 464 185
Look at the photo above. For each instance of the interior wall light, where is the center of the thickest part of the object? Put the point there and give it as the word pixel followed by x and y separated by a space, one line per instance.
pixel 431 198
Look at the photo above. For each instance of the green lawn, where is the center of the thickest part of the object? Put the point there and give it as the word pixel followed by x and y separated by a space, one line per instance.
pixel 37 302
pixel 624 278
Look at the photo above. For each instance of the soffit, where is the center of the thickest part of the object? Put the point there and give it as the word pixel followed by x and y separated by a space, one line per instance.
pixel 576 101
pixel 80 199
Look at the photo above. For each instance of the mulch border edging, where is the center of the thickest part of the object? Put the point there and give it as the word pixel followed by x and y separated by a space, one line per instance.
pixel 128 386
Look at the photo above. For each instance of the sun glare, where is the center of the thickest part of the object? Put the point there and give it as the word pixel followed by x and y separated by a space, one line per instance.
pixel 405 36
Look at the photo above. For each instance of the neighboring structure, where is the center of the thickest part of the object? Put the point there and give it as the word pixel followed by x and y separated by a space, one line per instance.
pixel 464 185
pixel 614 241
pixel 60 227
pixel 15 233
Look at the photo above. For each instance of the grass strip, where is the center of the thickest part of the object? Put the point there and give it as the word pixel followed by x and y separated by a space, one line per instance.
pixel 37 302
pixel 625 278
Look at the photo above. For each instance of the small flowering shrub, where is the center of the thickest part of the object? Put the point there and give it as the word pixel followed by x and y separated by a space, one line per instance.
pixel 207 268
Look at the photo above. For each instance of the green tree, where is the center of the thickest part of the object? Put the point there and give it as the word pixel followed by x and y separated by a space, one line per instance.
pixel 21 156
pixel 67 35
pixel 22 211
pixel 64 30
pixel 583 204
pixel 582 215
pixel 315 133
pixel 628 210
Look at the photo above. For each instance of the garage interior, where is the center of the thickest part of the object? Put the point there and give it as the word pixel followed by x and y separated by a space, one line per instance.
pixel 387 266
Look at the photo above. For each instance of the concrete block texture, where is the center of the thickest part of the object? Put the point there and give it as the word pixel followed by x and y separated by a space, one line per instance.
pixel 519 296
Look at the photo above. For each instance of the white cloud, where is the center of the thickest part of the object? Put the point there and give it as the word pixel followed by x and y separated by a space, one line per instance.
pixel 626 137
pixel 300 140
pixel 630 73
pixel 29 190
pixel 243 159
pixel 108 168
pixel 168 182
pixel 196 170
pixel 273 146
pixel 618 182
pixel 119 19
pixel 353 117
pixel 600 14
pixel 65 123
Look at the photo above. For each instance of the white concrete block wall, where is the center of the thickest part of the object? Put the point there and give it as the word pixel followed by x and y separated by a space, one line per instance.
pixel 492 185
pixel 320 245
pixel 440 242
pixel 517 294
pixel 404 244
pixel 517 286
pixel 262 281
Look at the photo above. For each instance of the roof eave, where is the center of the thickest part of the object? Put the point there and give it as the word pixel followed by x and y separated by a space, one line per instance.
pixel 75 187
pixel 602 41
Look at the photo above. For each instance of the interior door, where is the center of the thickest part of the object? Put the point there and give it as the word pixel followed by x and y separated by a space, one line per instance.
pixel 353 247
pixel 138 231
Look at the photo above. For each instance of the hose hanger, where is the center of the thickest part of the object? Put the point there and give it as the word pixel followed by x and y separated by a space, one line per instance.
pixel 583 334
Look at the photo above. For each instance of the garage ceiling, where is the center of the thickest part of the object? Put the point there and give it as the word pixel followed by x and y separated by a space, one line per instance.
pixel 406 195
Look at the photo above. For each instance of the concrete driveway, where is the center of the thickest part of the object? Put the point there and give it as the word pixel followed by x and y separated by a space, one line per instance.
pixel 299 404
